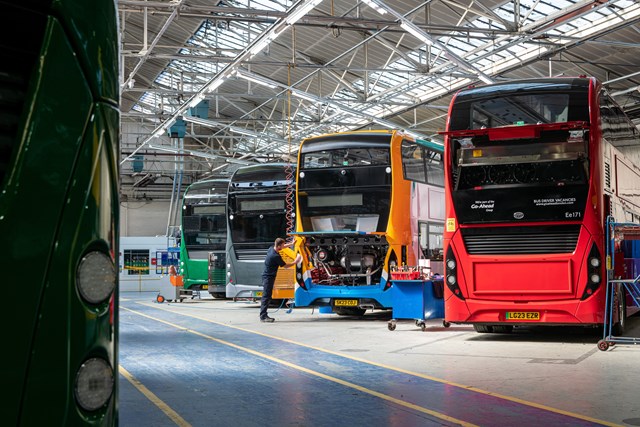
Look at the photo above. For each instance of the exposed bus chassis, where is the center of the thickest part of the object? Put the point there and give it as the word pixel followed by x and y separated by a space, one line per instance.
pixel 347 259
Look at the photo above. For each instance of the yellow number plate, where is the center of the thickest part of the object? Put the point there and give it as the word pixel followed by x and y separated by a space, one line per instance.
pixel 205 286
pixel 522 315
pixel 257 294
pixel 345 302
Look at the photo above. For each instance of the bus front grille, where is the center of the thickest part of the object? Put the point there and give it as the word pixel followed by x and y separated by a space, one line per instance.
pixel 521 240
pixel 251 254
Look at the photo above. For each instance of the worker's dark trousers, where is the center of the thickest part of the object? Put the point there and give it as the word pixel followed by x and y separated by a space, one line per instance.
pixel 267 290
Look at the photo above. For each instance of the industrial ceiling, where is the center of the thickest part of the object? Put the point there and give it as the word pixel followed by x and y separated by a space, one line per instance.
pixel 247 80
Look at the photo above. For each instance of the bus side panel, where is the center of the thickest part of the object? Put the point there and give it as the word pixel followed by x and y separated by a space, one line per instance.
pixel 32 204
pixel 93 27
pixel 89 223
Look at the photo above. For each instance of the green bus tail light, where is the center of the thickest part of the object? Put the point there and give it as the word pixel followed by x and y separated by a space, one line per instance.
pixel 96 277
pixel 94 384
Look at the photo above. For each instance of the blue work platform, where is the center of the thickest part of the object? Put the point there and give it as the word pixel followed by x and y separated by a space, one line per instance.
pixel 417 300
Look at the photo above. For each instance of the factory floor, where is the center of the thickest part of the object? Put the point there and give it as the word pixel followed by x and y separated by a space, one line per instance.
pixel 206 362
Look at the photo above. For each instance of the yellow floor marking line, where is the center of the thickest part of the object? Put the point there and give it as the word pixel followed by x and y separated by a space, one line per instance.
pixel 314 373
pixel 173 415
pixel 404 371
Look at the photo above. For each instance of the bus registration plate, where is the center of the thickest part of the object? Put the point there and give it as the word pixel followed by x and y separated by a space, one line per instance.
pixel 522 315
pixel 257 294
pixel 205 287
pixel 345 302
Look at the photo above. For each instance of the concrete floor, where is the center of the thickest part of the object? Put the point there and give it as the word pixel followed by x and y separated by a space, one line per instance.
pixel 212 363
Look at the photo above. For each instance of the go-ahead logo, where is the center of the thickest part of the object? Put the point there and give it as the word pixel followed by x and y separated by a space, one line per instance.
pixel 518 215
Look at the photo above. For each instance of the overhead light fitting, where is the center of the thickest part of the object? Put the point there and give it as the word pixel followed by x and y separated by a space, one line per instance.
pixel 416 32
pixel 254 80
pixel 302 11
pixel 196 100
pixel 304 96
pixel 214 85
pixel 243 132
pixel 261 44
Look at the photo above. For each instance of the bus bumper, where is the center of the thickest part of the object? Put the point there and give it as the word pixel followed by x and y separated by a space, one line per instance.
pixel 562 312
pixel 324 295
pixel 236 290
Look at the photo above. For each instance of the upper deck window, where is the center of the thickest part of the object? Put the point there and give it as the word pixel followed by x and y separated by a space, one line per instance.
pixel 422 164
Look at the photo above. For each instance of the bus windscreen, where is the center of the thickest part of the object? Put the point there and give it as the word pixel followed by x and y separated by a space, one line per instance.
pixel 257 228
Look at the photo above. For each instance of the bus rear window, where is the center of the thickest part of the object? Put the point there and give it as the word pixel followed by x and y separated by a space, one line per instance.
pixel 346 157
pixel 520 104
pixel 519 110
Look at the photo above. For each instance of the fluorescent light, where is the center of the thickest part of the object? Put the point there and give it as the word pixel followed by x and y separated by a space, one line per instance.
pixel 242 131
pixel 304 96
pixel 261 44
pixel 485 79
pixel 195 101
pixel 260 82
pixel 214 85
pixel 300 12
pixel 375 6
pixel 416 32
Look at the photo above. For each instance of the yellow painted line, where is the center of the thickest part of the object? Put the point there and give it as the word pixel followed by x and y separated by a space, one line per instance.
pixel 314 373
pixel 404 371
pixel 173 415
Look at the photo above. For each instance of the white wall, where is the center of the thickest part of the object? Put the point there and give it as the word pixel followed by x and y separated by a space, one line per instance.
pixel 144 218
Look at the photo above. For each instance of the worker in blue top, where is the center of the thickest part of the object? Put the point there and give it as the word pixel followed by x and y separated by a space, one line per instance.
pixel 271 264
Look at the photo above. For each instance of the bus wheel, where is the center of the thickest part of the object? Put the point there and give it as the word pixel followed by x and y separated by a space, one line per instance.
pixel 159 299
pixel 391 325
pixel 603 345
pixel 483 329
pixel 446 324
pixel 219 295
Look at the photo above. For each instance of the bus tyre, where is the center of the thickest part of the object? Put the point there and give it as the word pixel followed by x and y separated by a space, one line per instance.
pixel 603 345
pixel 159 299
pixel 483 329
pixel 391 325
pixel 423 326
pixel 219 295
pixel 446 324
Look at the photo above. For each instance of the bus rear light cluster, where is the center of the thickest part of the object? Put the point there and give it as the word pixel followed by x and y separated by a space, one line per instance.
pixel 451 274
pixel 299 276
pixel 96 277
pixel 94 384
pixel 594 277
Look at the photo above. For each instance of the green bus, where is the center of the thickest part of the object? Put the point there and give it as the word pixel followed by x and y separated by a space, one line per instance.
pixel 59 125
pixel 204 237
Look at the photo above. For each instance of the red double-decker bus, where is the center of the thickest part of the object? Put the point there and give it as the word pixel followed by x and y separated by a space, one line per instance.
pixel 532 170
